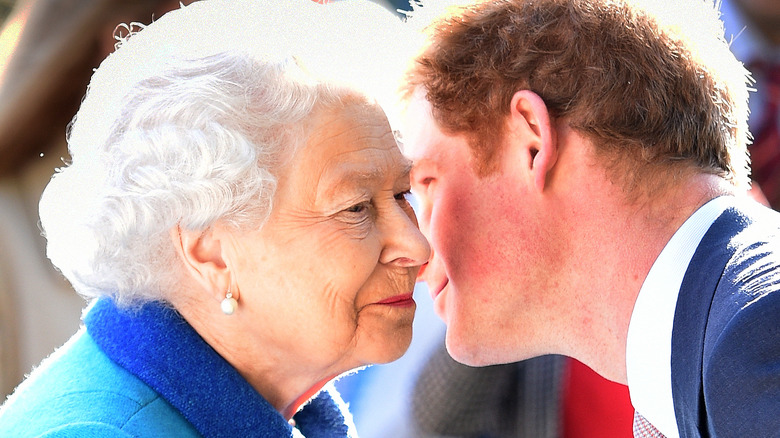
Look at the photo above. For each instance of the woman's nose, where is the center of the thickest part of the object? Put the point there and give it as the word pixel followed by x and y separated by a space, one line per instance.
pixel 404 244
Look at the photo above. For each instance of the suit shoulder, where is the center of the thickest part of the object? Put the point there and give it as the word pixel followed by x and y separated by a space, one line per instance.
pixel 741 380
pixel 752 272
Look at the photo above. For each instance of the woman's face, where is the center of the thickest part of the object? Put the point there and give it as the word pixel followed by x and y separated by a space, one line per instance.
pixel 329 277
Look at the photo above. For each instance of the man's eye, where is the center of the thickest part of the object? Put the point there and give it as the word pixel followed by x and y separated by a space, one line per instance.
pixel 425 182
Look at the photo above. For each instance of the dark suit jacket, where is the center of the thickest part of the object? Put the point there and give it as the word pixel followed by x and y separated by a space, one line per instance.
pixel 726 335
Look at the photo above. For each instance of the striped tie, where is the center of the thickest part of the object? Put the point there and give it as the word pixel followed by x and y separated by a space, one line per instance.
pixel 643 428
pixel 765 150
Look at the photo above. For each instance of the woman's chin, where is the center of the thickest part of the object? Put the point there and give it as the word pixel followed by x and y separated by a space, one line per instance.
pixel 391 349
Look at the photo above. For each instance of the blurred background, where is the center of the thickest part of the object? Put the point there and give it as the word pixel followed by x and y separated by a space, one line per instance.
pixel 48 49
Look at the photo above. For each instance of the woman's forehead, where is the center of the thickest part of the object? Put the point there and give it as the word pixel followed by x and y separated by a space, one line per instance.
pixel 355 133
pixel 349 146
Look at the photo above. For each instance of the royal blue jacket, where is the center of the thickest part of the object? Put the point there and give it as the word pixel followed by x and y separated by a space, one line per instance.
pixel 726 335
pixel 147 373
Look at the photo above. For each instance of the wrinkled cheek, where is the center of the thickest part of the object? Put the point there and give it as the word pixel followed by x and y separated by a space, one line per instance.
pixel 383 334
pixel 333 318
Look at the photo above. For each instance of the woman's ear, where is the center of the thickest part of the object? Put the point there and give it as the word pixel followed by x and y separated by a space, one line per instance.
pixel 533 131
pixel 203 255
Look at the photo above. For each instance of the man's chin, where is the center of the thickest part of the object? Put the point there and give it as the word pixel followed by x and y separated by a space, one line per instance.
pixel 469 352
pixel 476 351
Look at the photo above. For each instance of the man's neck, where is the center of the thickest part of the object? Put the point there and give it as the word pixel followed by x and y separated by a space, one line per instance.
pixel 623 241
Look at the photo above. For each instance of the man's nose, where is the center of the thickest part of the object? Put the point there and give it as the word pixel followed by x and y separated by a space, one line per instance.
pixel 424 268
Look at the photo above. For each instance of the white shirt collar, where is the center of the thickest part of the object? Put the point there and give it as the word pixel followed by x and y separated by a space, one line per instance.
pixel 649 343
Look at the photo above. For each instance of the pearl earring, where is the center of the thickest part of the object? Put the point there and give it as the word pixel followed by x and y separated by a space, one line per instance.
pixel 229 304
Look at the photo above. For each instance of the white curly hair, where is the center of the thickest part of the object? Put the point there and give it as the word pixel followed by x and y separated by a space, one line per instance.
pixel 187 123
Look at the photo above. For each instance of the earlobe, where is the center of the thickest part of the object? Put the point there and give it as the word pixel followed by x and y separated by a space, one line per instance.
pixel 529 116
pixel 202 254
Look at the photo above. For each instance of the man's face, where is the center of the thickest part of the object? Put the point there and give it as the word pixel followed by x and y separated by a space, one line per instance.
pixel 486 271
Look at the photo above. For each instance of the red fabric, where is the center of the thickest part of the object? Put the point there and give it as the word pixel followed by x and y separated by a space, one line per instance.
pixel 594 406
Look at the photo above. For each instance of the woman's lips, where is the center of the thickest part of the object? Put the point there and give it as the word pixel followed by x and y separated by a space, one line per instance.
pixel 403 300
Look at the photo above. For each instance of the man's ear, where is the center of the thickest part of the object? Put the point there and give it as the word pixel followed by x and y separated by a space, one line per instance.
pixel 531 126
pixel 202 253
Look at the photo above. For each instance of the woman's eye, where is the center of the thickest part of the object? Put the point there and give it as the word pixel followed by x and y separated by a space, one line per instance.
pixel 403 196
pixel 357 208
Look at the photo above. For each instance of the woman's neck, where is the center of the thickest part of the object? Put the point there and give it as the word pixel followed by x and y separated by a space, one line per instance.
pixel 279 379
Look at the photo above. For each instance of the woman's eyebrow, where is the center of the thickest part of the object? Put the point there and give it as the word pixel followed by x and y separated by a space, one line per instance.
pixel 352 176
pixel 406 169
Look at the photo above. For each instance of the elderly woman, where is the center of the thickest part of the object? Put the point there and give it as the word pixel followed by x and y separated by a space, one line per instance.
pixel 241 228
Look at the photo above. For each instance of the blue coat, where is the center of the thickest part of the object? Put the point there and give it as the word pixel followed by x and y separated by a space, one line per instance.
pixel 147 373
pixel 726 334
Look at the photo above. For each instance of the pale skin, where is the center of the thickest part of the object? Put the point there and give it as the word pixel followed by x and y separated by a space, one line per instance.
pixel 325 285
pixel 548 253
